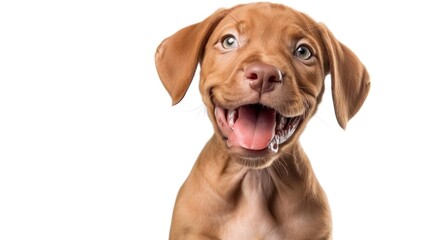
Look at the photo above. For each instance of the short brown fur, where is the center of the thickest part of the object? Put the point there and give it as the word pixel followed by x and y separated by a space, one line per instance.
pixel 236 193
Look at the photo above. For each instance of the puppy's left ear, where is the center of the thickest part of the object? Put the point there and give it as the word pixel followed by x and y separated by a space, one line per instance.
pixel 177 56
pixel 350 79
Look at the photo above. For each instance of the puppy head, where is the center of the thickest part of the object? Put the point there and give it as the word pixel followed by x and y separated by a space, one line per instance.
pixel 262 75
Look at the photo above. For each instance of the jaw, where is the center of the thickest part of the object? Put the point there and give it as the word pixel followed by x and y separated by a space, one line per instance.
pixel 255 134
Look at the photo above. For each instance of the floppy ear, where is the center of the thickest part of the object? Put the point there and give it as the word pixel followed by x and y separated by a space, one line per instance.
pixel 350 79
pixel 177 56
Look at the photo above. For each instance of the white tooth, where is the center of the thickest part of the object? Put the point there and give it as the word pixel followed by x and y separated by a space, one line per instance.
pixel 281 123
pixel 231 117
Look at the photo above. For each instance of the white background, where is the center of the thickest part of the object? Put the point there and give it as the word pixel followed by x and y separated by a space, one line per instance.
pixel 90 147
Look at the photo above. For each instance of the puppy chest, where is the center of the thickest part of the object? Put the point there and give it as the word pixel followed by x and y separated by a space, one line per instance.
pixel 252 218
pixel 252 226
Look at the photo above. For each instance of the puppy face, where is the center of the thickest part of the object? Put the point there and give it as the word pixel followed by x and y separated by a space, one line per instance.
pixel 258 123
pixel 262 72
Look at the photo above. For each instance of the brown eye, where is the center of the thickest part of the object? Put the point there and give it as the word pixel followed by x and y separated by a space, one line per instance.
pixel 303 52
pixel 229 42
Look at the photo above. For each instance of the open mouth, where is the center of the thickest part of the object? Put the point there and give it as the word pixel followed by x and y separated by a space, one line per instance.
pixel 255 127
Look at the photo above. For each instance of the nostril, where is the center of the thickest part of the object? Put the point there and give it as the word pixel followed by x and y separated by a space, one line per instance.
pixel 273 78
pixel 252 76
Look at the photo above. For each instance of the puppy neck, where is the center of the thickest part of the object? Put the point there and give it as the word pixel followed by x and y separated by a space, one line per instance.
pixel 288 174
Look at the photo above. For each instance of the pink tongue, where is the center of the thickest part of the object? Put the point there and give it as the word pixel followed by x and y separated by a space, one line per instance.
pixel 254 127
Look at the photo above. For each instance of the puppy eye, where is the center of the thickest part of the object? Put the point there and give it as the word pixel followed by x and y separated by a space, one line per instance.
pixel 303 52
pixel 229 42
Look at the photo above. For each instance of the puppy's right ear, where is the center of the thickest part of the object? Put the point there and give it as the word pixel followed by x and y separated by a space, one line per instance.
pixel 177 56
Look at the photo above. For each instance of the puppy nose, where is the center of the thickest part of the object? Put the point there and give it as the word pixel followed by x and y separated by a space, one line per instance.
pixel 263 77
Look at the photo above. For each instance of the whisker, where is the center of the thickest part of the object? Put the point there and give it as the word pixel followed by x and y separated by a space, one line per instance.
pixel 276 167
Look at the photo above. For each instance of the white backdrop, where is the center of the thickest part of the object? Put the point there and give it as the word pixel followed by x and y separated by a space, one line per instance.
pixel 90 147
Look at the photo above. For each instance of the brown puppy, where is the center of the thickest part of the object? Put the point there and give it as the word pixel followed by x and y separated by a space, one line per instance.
pixel 262 76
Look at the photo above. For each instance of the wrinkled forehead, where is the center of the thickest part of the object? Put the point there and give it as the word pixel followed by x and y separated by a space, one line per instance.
pixel 266 19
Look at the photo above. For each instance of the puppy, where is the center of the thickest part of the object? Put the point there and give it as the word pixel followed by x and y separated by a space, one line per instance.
pixel 262 77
